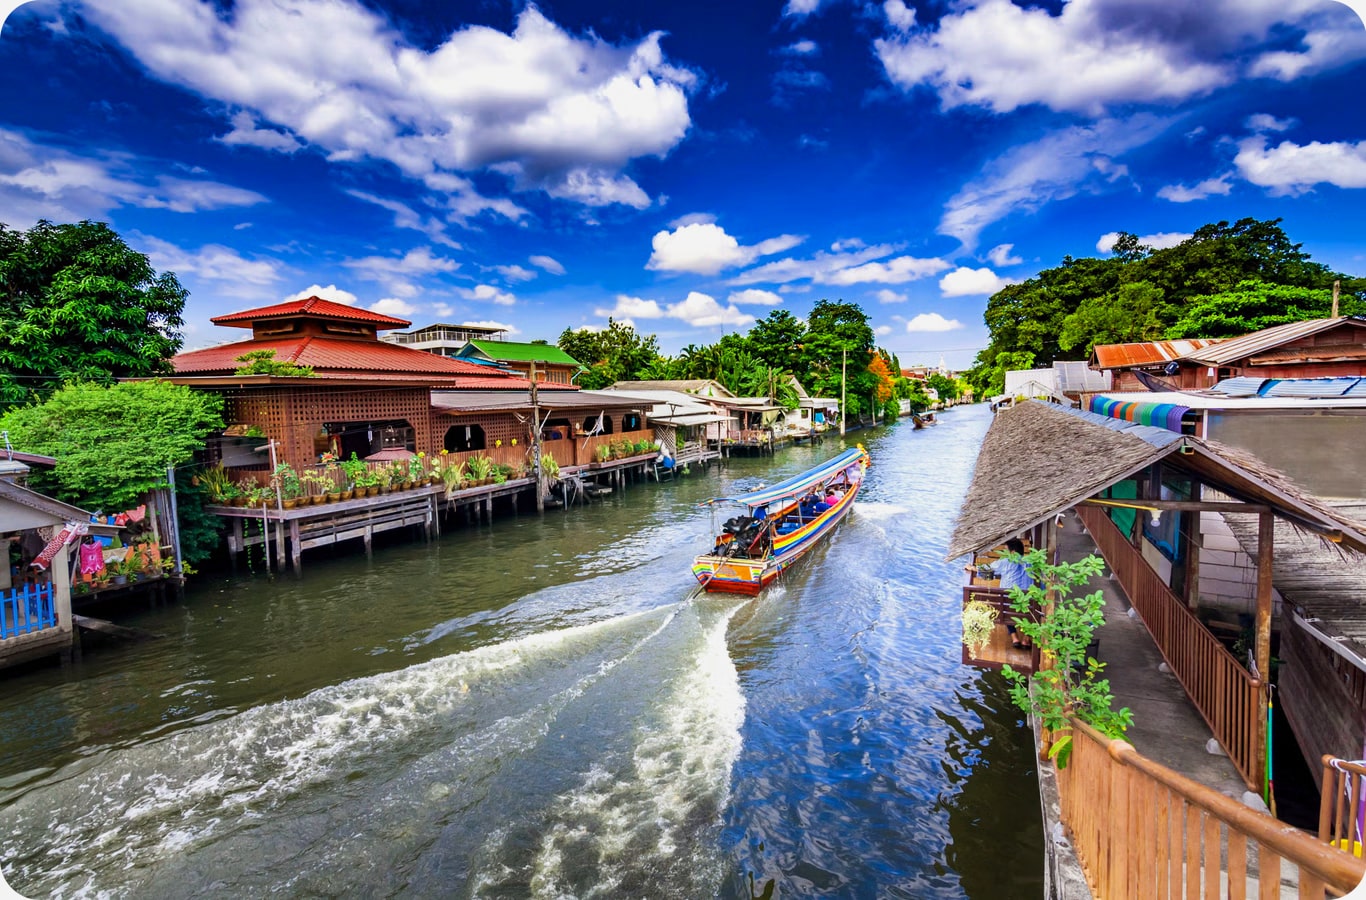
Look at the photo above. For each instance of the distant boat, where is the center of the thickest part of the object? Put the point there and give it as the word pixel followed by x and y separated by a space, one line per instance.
pixel 779 524
pixel 920 420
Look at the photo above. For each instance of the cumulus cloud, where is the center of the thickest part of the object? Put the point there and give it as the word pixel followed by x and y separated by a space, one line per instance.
pixel 331 292
pixel 1130 52
pixel 704 248
pixel 1264 122
pixel 1159 241
pixel 487 293
pixel 882 330
pixel 245 134
pixel 1055 167
pixel 820 268
pixel 393 306
pixel 488 323
pixel 39 181
pixel 232 273
pixel 801 48
pixel 897 270
pixel 555 111
pixel 515 272
pixel 801 8
pixel 932 322
pixel 886 295
pixel 966 282
pixel 549 264
pixel 756 296
pixel 628 307
pixel 697 309
pixel 1219 186
pixel 1292 169
pixel 1003 255
pixel 416 262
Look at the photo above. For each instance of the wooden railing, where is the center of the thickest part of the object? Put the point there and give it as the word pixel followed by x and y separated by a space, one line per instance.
pixel 1144 831
pixel 1230 700
pixel 26 609
pixel 1342 805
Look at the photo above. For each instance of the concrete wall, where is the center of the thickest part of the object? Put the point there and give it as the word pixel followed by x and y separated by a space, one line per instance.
pixel 1319 451
pixel 1228 573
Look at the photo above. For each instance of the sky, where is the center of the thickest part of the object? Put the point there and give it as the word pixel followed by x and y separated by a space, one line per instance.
pixel 686 167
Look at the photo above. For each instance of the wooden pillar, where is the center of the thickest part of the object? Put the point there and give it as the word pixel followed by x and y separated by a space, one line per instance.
pixel 1265 551
pixel 296 552
pixel 368 538
pixel 488 507
pixel 434 526
pixel 235 544
pixel 279 546
pixel 1192 553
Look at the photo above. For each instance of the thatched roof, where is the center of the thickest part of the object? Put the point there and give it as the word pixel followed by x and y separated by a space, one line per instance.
pixel 1039 459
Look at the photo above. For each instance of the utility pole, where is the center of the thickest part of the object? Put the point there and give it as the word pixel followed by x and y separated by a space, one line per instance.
pixel 536 443
pixel 844 365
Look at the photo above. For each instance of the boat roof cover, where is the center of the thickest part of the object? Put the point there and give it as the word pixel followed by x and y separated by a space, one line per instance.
pixel 797 484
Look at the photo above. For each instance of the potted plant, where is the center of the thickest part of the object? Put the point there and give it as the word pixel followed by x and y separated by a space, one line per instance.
pixel 479 468
pixel 452 476
pixel 549 466
pixel 602 453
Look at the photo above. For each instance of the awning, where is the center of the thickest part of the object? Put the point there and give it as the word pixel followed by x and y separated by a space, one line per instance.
pixel 690 419
pixel 797 484
pixel 1160 415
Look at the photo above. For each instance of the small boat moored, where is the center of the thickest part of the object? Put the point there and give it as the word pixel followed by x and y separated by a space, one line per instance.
pixel 778 524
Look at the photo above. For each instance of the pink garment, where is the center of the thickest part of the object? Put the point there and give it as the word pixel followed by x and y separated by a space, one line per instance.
pixel 92 559
pixel 832 498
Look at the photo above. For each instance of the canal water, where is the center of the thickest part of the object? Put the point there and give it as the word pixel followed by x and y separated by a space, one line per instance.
pixel 542 708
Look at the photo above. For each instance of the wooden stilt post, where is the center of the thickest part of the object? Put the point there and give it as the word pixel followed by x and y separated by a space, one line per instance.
pixel 1266 541
pixel 1192 554
pixel 368 538
pixel 296 551
pixel 280 545
pixel 235 544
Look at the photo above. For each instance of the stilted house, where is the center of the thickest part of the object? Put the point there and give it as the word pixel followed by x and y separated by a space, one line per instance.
pixel 688 428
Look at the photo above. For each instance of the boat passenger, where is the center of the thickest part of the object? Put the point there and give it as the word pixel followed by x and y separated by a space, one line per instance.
pixel 831 498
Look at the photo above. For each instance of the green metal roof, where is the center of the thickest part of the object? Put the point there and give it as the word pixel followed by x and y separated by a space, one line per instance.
pixel 511 351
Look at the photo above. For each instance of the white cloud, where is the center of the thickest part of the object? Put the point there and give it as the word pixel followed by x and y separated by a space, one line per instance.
pixel 553 110
pixel 899 15
pixel 1158 241
pixel 1292 169
pixel 1210 187
pixel 331 292
pixel 820 268
pixel 232 273
pixel 704 248
pixel 515 273
pixel 548 263
pixel 702 311
pixel 47 182
pixel 392 306
pixel 848 244
pixel 966 282
pixel 486 293
pixel 418 261
pixel 887 295
pixel 932 322
pixel 897 270
pixel 628 307
pixel 1130 52
pixel 1264 122
pixel 487 323
pixel 1001 255
pixel 801 48
pixel 1055 167
pixel 755 296
pixel 800 8
pixel 882 330
pixel 245 134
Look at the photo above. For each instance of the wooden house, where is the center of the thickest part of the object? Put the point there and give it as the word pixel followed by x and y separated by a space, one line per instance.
pixel 1131 366
pixel 552 364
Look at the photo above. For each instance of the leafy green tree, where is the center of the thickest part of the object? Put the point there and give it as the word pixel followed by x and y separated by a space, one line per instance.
pixel 947 388
pixel 1254 305
pixel 263 362
pixel 616 353
pixel 1133 312
pixel 777 340
pixel 77 304
pixel 113 444
pixel 833 330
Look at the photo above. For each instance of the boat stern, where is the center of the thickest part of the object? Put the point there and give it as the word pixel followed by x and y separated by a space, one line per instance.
pixel 719 574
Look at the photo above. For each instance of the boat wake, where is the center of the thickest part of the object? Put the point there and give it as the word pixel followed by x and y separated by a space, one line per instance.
pixel 586 760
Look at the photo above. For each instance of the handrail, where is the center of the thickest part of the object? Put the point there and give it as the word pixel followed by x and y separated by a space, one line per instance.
pixel 1129 831
pixel 1342 804
pixel 1227 696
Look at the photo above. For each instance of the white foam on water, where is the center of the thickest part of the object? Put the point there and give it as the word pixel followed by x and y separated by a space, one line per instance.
pixel 879 512
pixel 133 807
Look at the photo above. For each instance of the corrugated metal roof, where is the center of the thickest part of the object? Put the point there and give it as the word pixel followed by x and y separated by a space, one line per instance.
pixel 1243 386
pixel 1309 387
pixel 315 306
pixel 1234 349
pixel 1147 353
pixel 1077 376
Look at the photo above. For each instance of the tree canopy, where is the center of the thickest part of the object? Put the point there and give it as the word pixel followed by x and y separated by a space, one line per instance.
pixel 616 353
pixel 113 444
pixel 1226 279
pixel 78 304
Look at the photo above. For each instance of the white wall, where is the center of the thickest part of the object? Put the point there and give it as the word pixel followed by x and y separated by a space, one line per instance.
pixel 1228 573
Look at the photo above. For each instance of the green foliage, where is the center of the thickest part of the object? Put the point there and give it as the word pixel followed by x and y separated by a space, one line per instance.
pixel 947 388
pixel 617 353
pixel 113 444
pixel 77 304
pixel 1143 294
pixel 1254 305
pixel 1073 686
pixel 263 362
pixel 200 533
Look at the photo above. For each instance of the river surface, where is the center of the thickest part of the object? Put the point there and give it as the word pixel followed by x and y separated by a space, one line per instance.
pixel 542 708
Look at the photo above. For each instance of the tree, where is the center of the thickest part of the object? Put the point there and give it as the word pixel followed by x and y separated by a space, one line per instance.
pixel 1254 305
pixel 263 362
pixel 1133 312
pixel 113 444
pixel 947 388
pixel 616 353
pixel 77 304
pixel 838 337
pixel 777 338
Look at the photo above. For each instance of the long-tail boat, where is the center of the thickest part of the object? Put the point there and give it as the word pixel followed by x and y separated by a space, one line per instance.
pixel 777 525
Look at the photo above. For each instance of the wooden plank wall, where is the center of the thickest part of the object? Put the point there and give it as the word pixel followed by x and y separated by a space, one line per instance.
pixel 1321 695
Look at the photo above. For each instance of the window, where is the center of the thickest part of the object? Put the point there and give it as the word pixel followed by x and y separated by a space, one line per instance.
pixel 460 438
pixel 806 413
pixel 600 424
pixel 556 430
pixel 630 422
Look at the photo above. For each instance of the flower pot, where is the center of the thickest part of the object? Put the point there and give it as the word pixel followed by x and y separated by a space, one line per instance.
pixel 407 486
pixel 333 496
pixel 347 495
pixel 435 479
pixel 317 499
pixel 291 503
pixel 119 579
pixel 372 491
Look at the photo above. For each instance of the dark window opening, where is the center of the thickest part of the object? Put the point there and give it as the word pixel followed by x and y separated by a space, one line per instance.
pixel 630 422
pixel 463 438
pixel 598 424
pixel 556 430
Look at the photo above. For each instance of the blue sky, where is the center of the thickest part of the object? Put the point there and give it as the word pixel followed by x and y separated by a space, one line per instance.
pixel 689 166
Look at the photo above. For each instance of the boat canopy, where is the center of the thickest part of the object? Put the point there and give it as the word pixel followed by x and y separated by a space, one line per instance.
pixel 797 484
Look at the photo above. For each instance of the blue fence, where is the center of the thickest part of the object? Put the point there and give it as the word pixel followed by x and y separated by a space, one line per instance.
pixel 26 609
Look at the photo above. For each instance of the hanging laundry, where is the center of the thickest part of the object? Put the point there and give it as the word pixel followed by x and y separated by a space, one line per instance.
pixel 92 558
pixel 68 534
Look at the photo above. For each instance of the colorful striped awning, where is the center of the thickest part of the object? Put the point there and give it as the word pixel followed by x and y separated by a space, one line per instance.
pixel 1160 415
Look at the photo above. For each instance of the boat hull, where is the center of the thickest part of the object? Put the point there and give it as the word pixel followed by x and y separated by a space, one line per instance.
pixel 726 575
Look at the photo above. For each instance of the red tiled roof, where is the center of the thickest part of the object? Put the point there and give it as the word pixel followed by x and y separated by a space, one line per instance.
pixel 315 306
pixel 335 356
